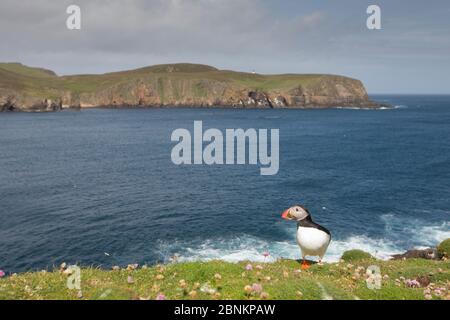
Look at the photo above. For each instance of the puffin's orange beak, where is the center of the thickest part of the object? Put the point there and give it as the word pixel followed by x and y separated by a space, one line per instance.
pixel 285 215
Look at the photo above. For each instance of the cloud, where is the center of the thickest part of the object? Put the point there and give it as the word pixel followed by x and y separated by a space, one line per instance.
pixel 269 36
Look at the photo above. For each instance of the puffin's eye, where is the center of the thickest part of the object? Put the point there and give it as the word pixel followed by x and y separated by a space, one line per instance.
pixel 296 209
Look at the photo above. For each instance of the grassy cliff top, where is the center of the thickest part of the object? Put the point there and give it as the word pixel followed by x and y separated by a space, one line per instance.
pixel 20 69
pixel 284 279
pixel 30 80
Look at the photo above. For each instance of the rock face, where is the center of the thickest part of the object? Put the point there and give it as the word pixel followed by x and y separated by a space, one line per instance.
pixel 430 254
pixel 176 85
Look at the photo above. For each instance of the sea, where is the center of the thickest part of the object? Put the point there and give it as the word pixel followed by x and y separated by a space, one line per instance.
pixel 98 187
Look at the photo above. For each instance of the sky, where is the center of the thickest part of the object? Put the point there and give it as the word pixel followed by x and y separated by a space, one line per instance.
pixel 410 54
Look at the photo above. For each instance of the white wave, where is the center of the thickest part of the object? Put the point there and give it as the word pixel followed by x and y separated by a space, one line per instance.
pixel 415 232
pixel 235 249
pixel 250 248
pixel 371 109
pixel 379 248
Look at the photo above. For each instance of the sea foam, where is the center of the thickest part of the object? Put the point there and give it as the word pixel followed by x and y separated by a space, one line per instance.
pixel 413 234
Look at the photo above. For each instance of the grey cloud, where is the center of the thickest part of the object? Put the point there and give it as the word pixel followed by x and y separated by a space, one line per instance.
pixel 269 36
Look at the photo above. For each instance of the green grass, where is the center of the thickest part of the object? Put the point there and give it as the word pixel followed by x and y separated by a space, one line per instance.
pixel 220 280
pixel 444 248
pixel 23 70
pixel 37 82
pixel 356 255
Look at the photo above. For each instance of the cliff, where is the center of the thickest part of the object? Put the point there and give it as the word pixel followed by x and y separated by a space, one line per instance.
pixel 411 279
pixel 24 88
pixel 407 278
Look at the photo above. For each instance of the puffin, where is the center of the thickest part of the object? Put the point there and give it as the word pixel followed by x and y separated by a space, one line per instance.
pixel 312 238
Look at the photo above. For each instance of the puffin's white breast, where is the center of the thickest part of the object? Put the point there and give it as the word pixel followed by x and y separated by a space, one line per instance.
pixel 312 241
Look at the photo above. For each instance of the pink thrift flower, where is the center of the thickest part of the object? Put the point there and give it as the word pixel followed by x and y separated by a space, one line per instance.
pixel 161 297
pixel 249 267
pixel 257 288
pixel 266 254
pixel 2 273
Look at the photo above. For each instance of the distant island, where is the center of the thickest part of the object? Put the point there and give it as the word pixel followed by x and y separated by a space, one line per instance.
pixel 24 88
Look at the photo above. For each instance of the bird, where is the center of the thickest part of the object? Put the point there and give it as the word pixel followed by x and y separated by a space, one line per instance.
pixel 312 238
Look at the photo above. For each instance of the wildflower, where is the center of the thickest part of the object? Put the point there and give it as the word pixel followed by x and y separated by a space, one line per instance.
pixel 249 267
pixel 155 288
pixel 2 273
pixel 267 278
pixel 182 283
pixel 299 293
pixel 248 289
pixel 428 296
pixel 264 295
pixel 438 292
pixel 130 280
pixel 360 268
pixel 216 295
pixel 207 289
pixel 266 254
pixel 286 274
pixel 161 269
pixel 385 277
pixel 196 285
pixel 159 277
pixel 193 294
pixel 217 276
pixel 161 297
pixel 132 266
pixel 259 267
pixel 256 287
pixel 412 283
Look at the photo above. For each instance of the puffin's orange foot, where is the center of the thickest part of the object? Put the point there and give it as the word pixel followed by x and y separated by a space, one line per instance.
pixel 305 265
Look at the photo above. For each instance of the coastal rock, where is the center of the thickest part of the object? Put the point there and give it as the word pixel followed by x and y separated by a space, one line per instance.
pixel 7 104
pixel 429 253
pixel 175 85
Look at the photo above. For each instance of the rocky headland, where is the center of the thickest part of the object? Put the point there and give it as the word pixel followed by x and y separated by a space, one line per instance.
pixel 25 88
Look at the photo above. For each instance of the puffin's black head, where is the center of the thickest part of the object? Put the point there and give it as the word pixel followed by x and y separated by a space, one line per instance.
pixel 296 213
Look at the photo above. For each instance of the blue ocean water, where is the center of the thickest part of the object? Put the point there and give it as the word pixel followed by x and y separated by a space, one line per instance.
pixel 98 187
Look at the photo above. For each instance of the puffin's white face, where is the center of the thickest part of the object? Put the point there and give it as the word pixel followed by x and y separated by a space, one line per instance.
pixel 296 213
